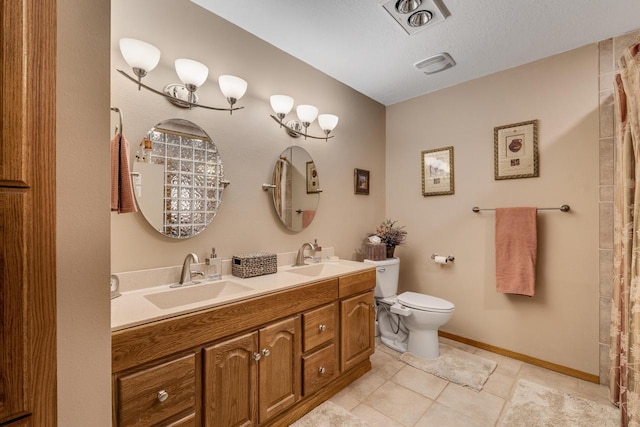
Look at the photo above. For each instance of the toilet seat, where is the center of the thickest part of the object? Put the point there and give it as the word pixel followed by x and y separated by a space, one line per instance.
pixel 425 302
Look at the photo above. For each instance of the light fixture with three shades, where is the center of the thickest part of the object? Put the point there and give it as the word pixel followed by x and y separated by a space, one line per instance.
pixel 143 57
pixel 283 104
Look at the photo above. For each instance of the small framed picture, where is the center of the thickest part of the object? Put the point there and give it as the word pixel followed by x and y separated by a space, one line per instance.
pixel 312 178
pixel 515 150
pixel 437 172
pixel 361 181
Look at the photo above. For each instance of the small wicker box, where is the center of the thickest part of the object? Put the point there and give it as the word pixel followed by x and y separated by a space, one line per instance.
pixel 376 251
pixel 251 265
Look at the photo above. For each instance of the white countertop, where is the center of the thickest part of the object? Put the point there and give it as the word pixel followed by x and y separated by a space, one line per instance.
pixel 132 308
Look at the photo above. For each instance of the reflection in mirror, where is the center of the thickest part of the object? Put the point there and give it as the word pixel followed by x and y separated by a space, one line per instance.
pixel 296 188
pixel 178 178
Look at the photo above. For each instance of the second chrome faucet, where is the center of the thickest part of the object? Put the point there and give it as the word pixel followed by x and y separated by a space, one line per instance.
pixel 300 257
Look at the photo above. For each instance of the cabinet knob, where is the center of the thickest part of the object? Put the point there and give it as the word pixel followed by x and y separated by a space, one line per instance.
pixel 321 370
pixel 322 328
pixel 256 356
pixel 162 395
pixel 266 352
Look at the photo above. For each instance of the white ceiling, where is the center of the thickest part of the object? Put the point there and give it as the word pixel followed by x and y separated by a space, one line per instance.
pixel 358 43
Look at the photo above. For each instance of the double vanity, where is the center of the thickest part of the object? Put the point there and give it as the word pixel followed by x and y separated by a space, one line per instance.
pixel 241 352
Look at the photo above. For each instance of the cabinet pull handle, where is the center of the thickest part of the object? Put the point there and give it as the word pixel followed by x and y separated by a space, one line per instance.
pixel 162 395
pixel 266 352
pixel 321 370
pixel 322 328
pixel 256 356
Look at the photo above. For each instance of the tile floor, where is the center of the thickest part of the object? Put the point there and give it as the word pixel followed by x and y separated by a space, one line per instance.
pixel 395 394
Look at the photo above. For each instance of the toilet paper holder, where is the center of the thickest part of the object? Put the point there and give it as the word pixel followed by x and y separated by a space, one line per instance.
pixel 449 257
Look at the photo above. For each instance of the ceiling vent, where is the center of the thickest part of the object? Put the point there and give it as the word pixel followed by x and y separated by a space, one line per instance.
pixel 416 15
pixel 435 64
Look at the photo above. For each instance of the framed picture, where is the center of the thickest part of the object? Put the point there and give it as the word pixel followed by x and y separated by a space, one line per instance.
pixel 515 150
pixel 361 181
pixel 312 178
pixel 437 172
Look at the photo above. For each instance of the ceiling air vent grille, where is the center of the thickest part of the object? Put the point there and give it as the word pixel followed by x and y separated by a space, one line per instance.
pixel 435 64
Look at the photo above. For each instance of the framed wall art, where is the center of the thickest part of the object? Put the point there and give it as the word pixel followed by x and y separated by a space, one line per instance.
pixel 361 181
pixel 312 178
pixel 437 172
pixel 516 150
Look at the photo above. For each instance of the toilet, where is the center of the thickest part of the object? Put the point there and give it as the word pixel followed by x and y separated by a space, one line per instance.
pixel 417 316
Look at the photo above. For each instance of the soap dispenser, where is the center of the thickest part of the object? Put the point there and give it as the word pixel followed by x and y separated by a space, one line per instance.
pixel 213 266
pixel 317 253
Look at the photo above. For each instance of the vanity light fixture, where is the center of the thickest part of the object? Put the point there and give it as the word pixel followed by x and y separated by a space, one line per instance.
pixel 143 57
pixel 283 104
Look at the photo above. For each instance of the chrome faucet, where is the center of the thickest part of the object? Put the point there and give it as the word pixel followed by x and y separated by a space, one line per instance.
pixel 300 257
pixel 187 273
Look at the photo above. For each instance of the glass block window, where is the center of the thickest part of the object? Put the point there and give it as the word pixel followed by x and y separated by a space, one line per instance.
pixel 193 176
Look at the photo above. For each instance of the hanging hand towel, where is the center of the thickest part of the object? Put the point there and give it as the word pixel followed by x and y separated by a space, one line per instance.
pixel 516 250
pixel 121 189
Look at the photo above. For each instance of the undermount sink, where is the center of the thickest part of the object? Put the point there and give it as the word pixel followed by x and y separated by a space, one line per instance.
pixel 196 293
pixel 319 270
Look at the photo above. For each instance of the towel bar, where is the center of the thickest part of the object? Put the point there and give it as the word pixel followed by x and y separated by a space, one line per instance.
pixel 563 208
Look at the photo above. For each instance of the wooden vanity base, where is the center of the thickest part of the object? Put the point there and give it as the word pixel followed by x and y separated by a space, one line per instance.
pixel 263 361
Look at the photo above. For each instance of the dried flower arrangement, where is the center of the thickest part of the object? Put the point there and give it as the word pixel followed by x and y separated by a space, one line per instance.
pixel 390 234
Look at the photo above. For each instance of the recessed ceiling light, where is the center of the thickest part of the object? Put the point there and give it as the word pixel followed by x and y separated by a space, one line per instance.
pixel 407 6
pixel 420 18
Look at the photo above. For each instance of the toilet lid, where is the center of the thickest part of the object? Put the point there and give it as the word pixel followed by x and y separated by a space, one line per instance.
pixel 425 302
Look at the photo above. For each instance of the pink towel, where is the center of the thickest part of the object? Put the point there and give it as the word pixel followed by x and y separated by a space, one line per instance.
pixel 121 189
pixel 516 250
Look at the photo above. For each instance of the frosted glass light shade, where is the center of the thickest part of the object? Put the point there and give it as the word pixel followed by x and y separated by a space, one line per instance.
pixel 191 72
pixel 139 54
pixel 281 104
pixel 328 121
pixel 232 86
pixel 307 113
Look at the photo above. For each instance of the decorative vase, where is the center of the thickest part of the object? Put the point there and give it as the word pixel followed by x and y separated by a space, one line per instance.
pixel 390 250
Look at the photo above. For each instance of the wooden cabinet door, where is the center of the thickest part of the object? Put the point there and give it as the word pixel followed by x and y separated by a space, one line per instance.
pixel 230 382
pixel 27 211
pixel 280 375
pixel 13 339
pixel 357 319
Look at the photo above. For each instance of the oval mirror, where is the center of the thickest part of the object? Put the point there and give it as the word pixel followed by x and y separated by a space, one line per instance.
pixel 178 178
pixel 296 188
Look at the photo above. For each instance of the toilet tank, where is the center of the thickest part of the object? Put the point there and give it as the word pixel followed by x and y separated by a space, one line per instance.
pixel 387 274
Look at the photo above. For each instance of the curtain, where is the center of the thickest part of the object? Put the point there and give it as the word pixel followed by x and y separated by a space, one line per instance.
pixel 625 313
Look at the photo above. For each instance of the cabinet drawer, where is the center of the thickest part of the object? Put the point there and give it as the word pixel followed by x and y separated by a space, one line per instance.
pixel 356 283
pixel 152 395
pixel 319 368
pixel 319 326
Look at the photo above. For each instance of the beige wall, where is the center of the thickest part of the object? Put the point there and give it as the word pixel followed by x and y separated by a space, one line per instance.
pixel 560 324
pixel 249 141
pixel 84 344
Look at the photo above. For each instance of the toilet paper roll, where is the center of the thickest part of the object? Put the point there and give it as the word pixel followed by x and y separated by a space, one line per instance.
pixel 441 259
